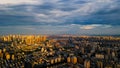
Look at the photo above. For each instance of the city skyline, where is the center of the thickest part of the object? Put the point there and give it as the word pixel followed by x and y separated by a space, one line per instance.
pixel 80 17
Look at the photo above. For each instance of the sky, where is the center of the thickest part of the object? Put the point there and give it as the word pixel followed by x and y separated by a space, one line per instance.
pixel 82 17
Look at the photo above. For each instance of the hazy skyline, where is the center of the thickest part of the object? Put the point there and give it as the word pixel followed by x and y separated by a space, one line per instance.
pixel 60 17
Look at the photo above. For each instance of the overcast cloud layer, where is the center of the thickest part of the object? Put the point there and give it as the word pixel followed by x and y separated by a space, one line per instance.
pixel 60 17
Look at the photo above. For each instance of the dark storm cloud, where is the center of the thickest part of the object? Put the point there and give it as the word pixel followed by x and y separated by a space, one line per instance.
pixel 80 15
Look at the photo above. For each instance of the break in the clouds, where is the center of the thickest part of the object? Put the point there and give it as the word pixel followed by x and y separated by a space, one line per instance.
pixel 59 16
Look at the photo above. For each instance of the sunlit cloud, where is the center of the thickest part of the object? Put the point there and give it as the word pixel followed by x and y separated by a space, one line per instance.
pixel 88 27
pixel 93 26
